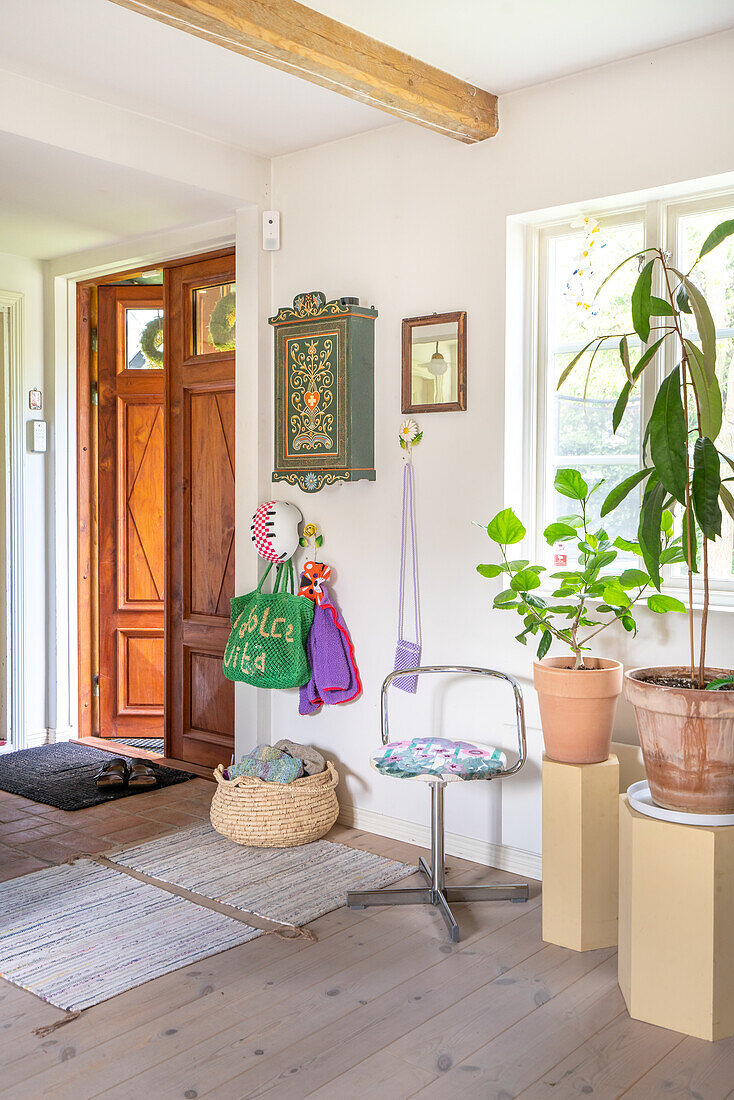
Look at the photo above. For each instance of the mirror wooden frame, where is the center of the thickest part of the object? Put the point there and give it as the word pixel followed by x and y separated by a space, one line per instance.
pixel 409 323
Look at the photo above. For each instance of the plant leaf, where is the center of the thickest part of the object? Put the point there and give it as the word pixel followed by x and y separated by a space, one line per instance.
pixel 633 578
pixel 721 682
pixel 624 355
pixel 613 272
pixel 704 323
pixel 626 544
pixel 682 299
pixel 647 356
pixel 567 370
pixel 619 492
pixel 506 597
pixel 525 580
pixel 727 500
pixel 642 302
pixel 615 595
pixel 621 405
pixel 544 644
pixel 660 603
pixel 668 434
pixel 660 308
pixel 708 390
pixel 557 532
pixel 716 236
pixel 689 523
pixel 569 483
pixel 491 570
pixel 706 485
pixel 648 532
pixel 506 528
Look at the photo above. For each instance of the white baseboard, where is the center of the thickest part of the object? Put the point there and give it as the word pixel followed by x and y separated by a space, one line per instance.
pixel 500 856
pixel 38 737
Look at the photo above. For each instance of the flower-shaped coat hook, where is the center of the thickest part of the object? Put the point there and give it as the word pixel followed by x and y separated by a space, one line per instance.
pixel 311 536
pixel 409 436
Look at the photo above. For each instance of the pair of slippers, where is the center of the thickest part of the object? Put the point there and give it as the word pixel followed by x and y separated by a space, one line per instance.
pixel 118 773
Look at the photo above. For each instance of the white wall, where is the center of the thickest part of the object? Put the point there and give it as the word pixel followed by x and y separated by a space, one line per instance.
pixel 413 223
pixel 26 277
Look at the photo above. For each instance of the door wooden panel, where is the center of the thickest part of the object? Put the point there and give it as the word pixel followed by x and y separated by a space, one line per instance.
pixel 131 523
pixel 200 481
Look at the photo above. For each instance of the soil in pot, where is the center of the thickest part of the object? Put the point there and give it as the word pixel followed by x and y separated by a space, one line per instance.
pixel 687 738
pixel 577 707
pixel 685 681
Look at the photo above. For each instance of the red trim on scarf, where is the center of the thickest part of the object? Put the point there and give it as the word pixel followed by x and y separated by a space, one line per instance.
pixel 332 609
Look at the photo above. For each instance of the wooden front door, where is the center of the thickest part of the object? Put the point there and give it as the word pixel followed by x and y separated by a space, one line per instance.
pixel 200 481
pixel 131 513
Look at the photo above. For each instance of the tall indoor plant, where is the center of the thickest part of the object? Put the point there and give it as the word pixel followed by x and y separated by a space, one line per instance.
pixel 578 693
pixel 685 714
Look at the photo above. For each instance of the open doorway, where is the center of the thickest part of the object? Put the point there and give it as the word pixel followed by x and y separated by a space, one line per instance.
pixel 156 507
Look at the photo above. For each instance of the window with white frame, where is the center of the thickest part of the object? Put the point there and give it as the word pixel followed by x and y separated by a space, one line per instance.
pixel 574 422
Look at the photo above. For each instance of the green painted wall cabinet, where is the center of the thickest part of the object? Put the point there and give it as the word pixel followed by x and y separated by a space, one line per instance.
pixel 324 391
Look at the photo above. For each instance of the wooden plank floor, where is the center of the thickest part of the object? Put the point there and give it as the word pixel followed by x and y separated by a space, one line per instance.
pixel 381 1006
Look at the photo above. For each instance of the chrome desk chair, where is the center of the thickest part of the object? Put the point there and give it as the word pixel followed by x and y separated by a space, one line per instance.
pixel 438 762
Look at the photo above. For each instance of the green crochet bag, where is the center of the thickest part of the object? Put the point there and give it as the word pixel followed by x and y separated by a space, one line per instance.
pixel 266 647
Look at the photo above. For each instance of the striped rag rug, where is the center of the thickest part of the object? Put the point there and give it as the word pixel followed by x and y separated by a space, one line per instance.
pixel 288 885
pixel 78 934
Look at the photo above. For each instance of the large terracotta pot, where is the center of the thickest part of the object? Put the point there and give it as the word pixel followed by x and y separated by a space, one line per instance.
pixel 687 739
pixel 577 707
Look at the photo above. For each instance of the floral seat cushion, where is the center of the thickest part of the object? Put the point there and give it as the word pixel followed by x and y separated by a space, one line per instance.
pixel 430 758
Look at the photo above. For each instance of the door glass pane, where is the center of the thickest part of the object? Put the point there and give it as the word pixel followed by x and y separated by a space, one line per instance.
pixel 214 319
pixel 144 339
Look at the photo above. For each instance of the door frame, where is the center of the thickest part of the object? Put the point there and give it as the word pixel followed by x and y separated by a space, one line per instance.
pixel 252 710
pixel 88 576
pixel 12 307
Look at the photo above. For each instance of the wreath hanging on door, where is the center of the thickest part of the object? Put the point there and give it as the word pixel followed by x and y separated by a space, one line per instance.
pixel 222 323
pixel 151 342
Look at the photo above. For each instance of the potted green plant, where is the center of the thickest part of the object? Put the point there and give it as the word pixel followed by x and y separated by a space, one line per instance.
pixel 577 693
pixel 685 713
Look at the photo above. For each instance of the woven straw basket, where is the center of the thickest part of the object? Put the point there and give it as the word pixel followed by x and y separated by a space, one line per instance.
pixel 275 815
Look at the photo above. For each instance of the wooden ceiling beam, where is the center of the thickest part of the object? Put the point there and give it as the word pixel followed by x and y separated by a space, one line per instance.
pixel 291 37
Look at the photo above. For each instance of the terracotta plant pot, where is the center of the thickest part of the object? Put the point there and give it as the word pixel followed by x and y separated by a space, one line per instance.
pixel 687 739
pixel 577 707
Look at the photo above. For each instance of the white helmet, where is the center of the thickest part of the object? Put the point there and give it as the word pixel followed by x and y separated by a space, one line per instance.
pixel 274 530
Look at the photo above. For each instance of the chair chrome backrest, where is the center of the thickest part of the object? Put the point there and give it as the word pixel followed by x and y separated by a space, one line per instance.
pixel 519 707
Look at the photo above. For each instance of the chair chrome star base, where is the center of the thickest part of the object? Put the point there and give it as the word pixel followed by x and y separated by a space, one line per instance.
pixel 436 892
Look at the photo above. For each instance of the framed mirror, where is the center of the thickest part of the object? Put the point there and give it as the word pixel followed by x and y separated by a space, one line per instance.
pixel 434 363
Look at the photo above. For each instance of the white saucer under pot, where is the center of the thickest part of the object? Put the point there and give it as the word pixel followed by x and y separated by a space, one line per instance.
pixel 641 800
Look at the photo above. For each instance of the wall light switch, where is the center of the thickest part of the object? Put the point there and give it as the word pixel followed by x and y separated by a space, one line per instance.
pixel 37 436
pixel 271 230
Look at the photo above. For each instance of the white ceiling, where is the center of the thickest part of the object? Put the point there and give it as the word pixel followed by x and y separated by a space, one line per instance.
pixel 98 49
pixel 53 201
pixel 504 45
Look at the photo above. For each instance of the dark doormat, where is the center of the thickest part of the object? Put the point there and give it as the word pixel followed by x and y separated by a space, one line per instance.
pixel 63 775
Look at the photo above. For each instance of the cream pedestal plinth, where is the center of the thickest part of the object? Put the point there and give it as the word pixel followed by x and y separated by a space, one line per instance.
pixel 580 853
pixel 676 924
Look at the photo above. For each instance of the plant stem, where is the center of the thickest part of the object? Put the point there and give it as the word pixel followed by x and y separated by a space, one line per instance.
pixel 704 615
pixel 689 510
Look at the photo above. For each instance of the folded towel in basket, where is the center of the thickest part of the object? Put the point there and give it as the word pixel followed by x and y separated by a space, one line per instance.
pixel 268 763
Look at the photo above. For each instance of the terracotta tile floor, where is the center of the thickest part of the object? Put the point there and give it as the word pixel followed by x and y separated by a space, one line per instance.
pixel 33 835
